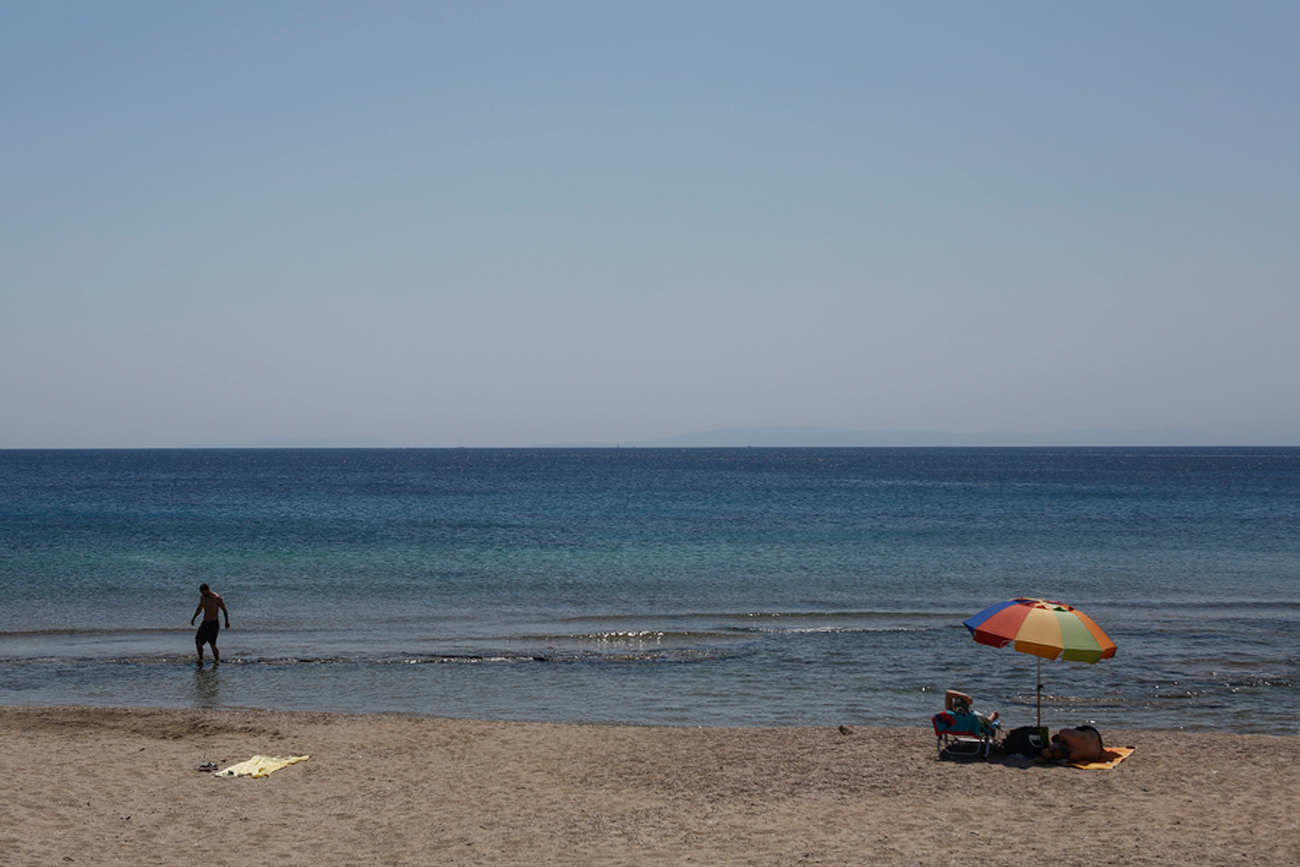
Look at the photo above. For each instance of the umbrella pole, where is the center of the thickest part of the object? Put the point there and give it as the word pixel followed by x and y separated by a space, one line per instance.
pixel 1040 692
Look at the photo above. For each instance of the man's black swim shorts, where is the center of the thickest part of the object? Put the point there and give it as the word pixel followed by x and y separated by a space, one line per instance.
pixel 207 633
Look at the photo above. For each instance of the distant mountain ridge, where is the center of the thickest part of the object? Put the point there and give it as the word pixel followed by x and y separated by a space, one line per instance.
pixel 827 437
pixel 1206 435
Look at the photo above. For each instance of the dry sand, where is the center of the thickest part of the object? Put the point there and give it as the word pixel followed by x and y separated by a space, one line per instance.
pixel 92 786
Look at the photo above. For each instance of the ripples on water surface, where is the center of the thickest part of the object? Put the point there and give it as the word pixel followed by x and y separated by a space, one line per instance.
pixel 690 587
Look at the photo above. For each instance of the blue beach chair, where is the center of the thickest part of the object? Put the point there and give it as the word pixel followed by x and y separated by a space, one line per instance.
pixel 964 735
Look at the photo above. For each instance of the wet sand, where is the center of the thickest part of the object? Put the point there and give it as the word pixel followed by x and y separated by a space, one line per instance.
pixel 97 786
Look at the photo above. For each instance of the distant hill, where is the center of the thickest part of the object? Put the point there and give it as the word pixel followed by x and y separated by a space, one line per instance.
pixel 825 437
pixel 1208 435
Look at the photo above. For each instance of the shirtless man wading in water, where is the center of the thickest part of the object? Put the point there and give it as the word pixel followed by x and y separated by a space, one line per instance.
pixel 209 603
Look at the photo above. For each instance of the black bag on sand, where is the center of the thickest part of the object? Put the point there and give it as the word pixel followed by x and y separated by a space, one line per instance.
pixel 1026 741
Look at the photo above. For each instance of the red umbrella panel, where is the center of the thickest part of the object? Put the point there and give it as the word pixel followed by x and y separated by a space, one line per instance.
pixel 1043 628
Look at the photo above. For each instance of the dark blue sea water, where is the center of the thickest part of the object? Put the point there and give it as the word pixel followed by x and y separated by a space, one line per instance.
pixel 686 587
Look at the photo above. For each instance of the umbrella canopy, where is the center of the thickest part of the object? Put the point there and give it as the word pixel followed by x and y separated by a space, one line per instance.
pixel 1042 628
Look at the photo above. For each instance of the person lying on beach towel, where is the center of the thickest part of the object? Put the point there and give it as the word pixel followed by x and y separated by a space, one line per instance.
pixel 1079 744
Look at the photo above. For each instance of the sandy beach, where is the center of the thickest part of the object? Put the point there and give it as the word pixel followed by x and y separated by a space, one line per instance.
pixel 105 786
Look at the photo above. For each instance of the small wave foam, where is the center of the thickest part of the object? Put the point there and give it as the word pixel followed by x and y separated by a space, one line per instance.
pixel 774 616
pixel 590 655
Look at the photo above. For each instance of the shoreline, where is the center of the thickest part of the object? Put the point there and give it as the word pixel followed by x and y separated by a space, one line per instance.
pixel 120 786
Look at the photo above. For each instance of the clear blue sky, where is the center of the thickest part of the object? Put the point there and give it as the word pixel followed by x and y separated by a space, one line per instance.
pixel 527 223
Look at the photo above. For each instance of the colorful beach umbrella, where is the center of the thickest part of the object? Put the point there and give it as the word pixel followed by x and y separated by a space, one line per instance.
pixel 1045 629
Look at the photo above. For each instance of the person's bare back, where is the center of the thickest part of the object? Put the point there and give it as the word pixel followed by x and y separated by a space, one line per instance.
pixel 211 604
pixel 1081 744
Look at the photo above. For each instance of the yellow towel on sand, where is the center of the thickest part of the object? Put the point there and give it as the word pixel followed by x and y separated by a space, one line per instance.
pixel 1110 757
pixel 260 766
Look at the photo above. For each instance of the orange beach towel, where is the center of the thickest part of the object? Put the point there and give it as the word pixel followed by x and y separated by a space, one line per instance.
pixel 1110 757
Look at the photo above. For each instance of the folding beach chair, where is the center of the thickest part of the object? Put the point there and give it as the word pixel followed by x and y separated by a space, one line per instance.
pixel 964 735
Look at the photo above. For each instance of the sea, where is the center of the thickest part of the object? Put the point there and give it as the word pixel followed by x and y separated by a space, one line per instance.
pixel 681 587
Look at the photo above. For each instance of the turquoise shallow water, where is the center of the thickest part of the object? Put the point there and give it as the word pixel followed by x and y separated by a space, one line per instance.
pixel 688 587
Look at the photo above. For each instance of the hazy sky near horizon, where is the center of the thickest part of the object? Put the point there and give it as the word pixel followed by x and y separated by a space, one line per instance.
pixel 570 222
